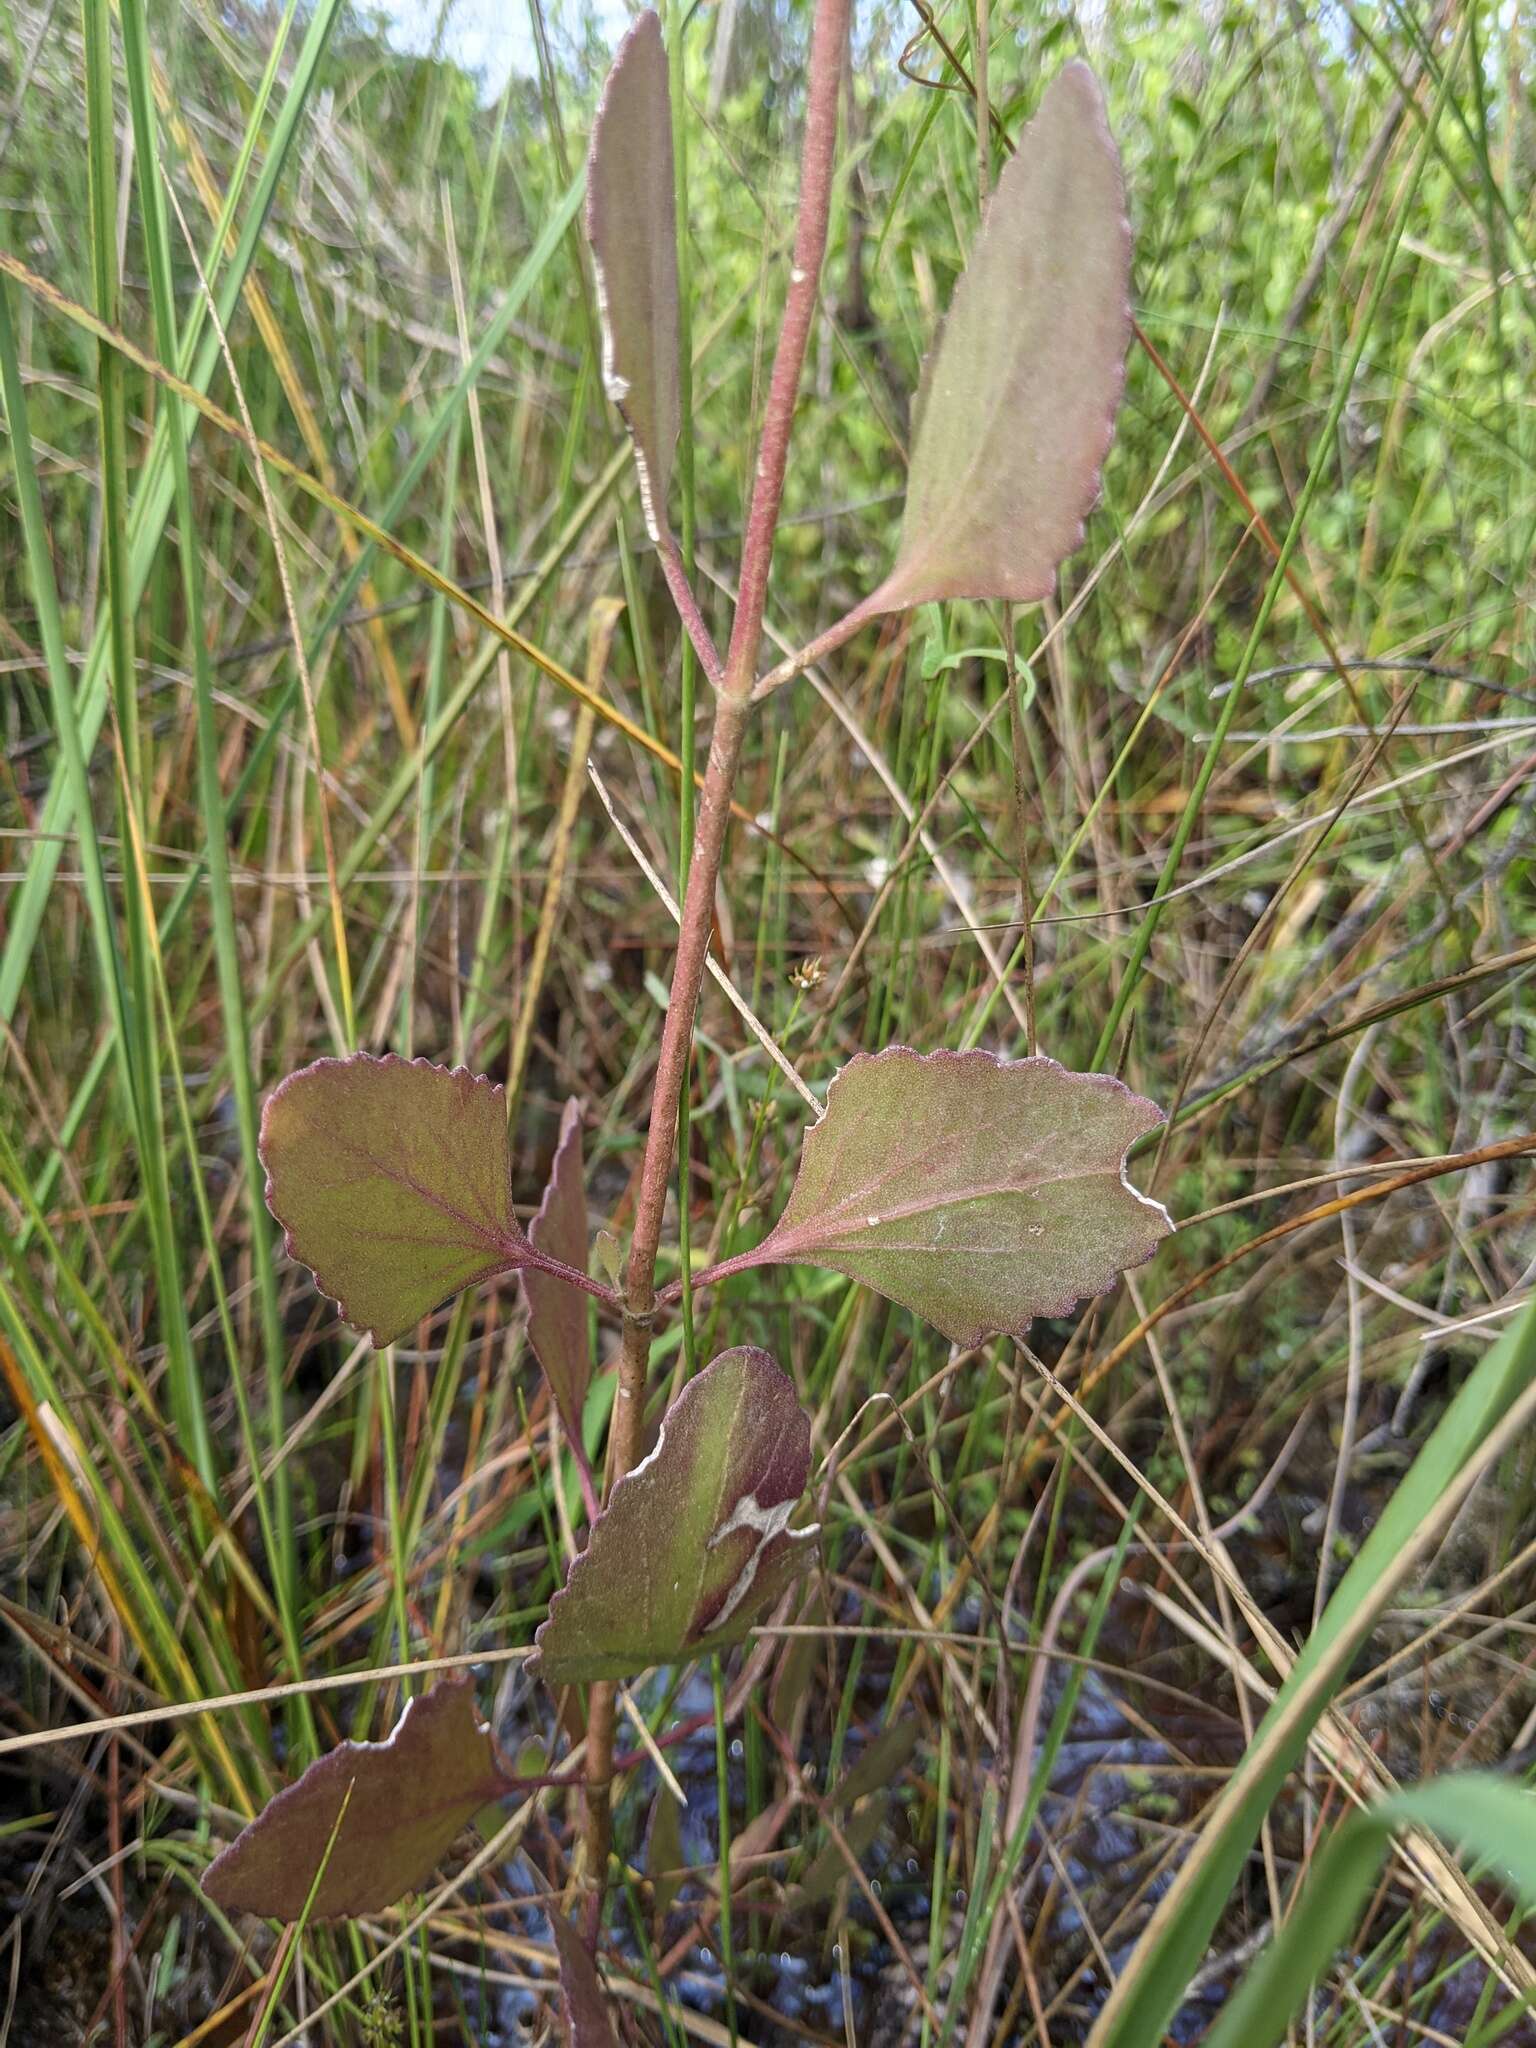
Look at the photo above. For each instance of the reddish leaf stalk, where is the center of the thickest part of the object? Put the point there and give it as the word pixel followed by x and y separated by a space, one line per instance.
pixel 828 38
pixel 814 651
pixel 687 608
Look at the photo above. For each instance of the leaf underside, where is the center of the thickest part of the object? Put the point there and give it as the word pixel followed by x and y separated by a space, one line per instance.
pixel 631 224
pixel 1017 403
pixel 557 1312
pixel 695 1544
pixel 392 1181
pixel 410 1796
pixel 582 2005
pixel 979 1192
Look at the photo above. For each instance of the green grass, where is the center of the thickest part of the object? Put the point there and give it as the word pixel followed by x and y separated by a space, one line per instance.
pixel 1276 834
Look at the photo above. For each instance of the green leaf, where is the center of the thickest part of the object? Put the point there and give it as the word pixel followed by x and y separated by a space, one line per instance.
pixel 392 1181
pixel 631 224
pixel 557 1313
pixel 695 1544
pixel 583 2008
pixel 1487 1816
pixel 979 1191
pixel 409 1796
pixel 1018 400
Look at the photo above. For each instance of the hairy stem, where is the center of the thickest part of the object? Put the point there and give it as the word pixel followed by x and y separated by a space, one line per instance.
pixel 733 707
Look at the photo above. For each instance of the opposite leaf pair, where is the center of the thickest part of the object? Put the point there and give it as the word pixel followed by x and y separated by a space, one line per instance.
pixel 977 1191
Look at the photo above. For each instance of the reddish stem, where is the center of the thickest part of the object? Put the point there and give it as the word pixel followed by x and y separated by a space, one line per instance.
pixel 671 1073
pixel 589 1494
pixel 829 39
pixel 829 36
pixel 740 1262
pixel 509 1784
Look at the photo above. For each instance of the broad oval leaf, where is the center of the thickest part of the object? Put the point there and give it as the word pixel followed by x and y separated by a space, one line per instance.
pixel 1018 399
pixel 695 1544
pixel 392 1181
pixel 557 1312
pixel 583 2009
pixel 410 1796
pixel 632 227
pixel 978 1191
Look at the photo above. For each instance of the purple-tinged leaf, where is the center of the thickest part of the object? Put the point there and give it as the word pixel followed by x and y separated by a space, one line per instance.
pixel 1018 400
pixel 557 1313
pixel 979 1191
pixel 583 2008
pixel 631 224
pixel 392 1181
pixel 695 1545
pixel 410 1796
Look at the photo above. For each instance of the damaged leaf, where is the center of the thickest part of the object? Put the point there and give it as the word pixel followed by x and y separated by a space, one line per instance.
pixel 557 1313
pixel 410 1796
pixel 695 1544
pixel 979 1192
pixel 631 224
pixel 1018 399
pixel 392 1181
